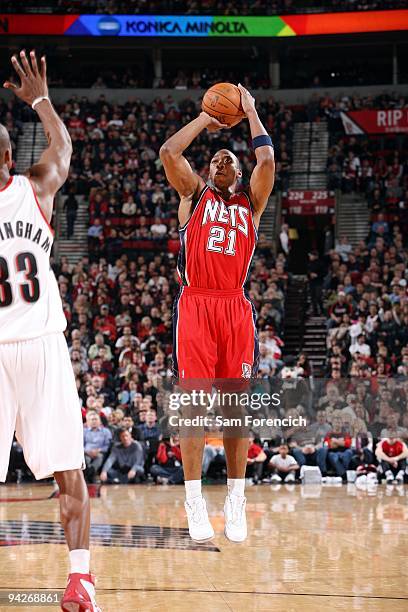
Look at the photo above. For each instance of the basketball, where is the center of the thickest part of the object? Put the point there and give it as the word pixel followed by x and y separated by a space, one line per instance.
pixel 223 101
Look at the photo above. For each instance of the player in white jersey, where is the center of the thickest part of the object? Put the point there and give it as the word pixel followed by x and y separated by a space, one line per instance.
pixel 38 397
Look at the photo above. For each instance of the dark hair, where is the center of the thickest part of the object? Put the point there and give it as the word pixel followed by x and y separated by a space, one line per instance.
pixel 122 430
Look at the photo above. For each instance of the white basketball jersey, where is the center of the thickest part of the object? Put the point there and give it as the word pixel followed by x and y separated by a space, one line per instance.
pixel 30 304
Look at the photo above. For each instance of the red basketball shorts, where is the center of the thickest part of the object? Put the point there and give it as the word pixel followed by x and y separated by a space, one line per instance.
pixel 214 334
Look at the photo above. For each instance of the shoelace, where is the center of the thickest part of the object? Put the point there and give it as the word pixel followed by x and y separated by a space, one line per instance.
pixel 237 511
pixel 196 511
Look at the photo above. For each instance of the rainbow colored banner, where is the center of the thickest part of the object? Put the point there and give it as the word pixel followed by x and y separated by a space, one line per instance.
pixel 197 26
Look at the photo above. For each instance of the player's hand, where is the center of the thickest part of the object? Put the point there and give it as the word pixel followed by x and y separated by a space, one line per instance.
pixel 104 476
pixel 33 79
pixel 131 474
pixel 247 101
pixel 212 124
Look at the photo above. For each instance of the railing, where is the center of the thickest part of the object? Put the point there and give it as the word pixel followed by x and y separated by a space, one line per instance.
pixel 277 222
pixel 337 198
pixel 308 175
pixel 58 211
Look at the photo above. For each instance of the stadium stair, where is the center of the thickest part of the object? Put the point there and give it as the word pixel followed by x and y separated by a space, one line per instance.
pixel 295 307
pixel 77 246
pixel 31 143
pixel 303 332
pixel 268 219
pixel 314 343
pixel 352 217
pixel 310 148
pixel 314 335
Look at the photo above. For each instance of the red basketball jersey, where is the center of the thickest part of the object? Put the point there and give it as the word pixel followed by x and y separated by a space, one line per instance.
pixel 217 242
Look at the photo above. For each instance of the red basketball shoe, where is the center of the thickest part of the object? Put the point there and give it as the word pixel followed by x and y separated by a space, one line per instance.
pixel 79 595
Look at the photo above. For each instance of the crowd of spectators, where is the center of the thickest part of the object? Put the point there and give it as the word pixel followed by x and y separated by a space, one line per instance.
pixel 362 292
pixel 366 302
pixel 116 166
pixel 375 165
pixel 118 300
pixel 118 304
pixel 138 77
pixel 196 7
pixel 12 116
pixel 363 288
pixel 120 341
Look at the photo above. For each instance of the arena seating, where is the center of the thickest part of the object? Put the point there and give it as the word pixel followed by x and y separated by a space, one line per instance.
pixel 202 7
pixel 373 274
pixel 118 300
pixel 115 165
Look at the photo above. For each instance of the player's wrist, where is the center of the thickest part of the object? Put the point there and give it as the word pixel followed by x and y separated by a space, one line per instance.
pixel 40 100
pixel 251 113
pixel 205 118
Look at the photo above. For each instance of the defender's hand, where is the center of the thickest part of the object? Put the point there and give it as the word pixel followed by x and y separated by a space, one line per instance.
pixel 33 80
pixel 247 101
pixel 213 125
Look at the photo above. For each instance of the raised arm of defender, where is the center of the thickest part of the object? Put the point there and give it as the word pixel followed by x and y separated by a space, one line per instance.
pixel 51 171
pixel 263 175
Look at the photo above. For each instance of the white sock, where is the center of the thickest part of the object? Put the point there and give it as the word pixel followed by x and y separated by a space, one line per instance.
pixel 193 489
pixel 236 486
pixel 79 560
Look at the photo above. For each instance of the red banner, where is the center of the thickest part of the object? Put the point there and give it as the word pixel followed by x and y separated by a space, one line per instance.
pixel 392 121
pixel 310 202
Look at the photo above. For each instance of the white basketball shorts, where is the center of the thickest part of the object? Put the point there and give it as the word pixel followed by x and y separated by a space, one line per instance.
pixel 39 401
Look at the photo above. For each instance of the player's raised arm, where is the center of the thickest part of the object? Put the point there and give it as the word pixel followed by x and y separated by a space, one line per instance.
pixel 51 171
pixel 263 176
pixel 178 171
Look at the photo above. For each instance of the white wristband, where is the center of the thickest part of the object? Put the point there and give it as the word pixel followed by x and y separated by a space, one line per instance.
pixel 38 100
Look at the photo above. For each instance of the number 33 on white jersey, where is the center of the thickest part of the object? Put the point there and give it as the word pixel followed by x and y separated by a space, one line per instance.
pixel 30 304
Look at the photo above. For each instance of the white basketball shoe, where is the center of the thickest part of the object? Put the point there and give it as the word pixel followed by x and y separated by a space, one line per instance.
pixel 235 518
pixel 199 526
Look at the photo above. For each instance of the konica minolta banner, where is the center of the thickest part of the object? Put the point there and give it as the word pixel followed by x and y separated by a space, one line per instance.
pixel 203 26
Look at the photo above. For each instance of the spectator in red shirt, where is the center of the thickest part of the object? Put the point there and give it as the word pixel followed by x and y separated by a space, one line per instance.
pixel 255 461
pixel 104 318
pixel 168 469
pixel 392 455
pixel 336 451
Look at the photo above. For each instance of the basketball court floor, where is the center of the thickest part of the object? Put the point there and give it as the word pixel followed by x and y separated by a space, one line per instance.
pixel 310 548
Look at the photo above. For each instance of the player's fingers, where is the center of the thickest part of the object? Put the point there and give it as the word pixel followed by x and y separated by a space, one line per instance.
pixel 43 67
pixel 34 64
pixel 17 67
pixel 26 63
pixel 244 90
pixel 10 85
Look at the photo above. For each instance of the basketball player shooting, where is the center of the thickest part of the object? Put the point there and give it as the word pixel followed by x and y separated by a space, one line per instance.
pixel 214 334
pixel 39 399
